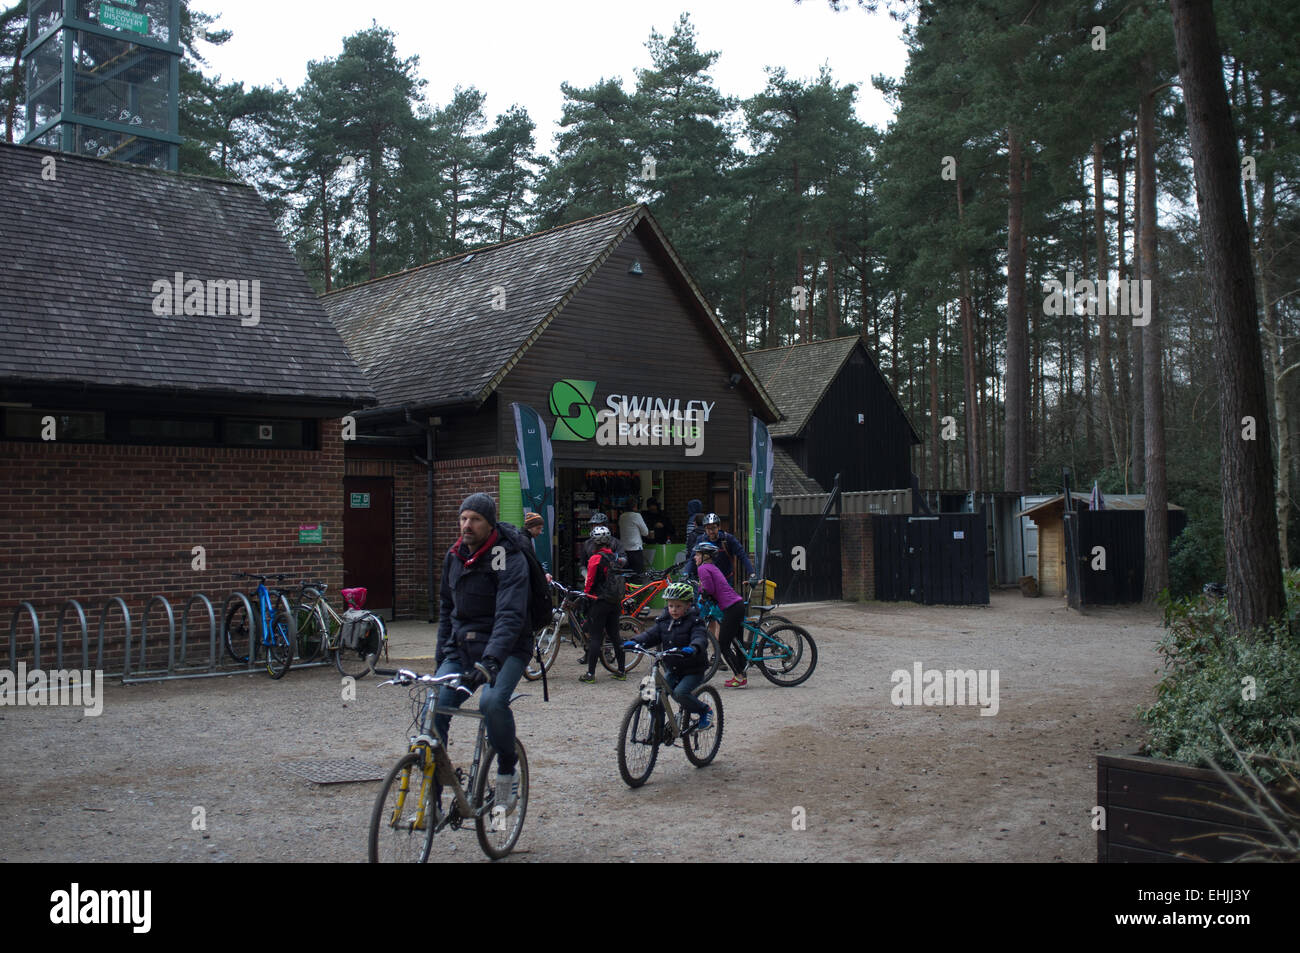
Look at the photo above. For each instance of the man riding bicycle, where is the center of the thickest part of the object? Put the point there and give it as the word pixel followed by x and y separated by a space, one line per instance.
pixel 483 629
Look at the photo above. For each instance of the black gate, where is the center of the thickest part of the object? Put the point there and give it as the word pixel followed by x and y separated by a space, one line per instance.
pixel 935 560
pixel 1121 534
pixel 819 558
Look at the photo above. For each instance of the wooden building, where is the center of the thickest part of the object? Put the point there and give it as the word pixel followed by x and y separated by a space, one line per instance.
pixel 1118 528
pixel 840 415
pixel 595 315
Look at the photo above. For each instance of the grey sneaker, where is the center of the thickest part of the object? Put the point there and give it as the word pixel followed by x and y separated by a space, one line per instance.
pixel 507 791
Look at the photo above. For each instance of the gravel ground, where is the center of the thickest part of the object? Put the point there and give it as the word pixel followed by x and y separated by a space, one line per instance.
pixel 875 781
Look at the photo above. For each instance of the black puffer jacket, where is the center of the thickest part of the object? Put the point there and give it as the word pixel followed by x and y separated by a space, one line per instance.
pixel 679 633
pixel 484 610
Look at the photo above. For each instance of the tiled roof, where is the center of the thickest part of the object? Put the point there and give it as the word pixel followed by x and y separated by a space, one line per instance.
pixel 431 336
pixel 446 333
pixel 797 376
pixel 1117 501
pixel 79 255
pixel 787 478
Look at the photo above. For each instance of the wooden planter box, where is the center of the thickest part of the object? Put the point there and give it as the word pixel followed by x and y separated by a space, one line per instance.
pixel 1153 808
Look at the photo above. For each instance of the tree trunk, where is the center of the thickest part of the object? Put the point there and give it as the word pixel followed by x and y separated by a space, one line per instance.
pixel 1137 436
pixel 12 108
pixel 1254 568
pixel 372 210
pixel 1017 464
pixel 1123 390
pixel 935 419
pixel 325 230
pixel 1156 577
pixel 1108 442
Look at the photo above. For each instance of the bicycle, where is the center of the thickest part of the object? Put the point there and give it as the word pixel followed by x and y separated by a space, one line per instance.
pixel 276 625
pixel 404 821
pixel 652 721
pixel 778 652
pixel 571 611
pixel 355 639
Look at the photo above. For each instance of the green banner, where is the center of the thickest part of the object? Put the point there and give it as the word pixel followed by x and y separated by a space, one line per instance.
pixel 536 477
pixel 761 464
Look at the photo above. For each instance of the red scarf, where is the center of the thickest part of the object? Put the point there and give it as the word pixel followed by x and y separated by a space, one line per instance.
pixel 492 539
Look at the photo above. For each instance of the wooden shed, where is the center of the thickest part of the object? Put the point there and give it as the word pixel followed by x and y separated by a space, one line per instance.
pixel 1119 528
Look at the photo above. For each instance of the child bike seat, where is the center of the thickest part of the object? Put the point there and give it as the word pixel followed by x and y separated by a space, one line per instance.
pixel 354 598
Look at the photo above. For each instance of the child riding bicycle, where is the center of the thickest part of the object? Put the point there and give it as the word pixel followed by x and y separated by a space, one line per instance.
pixel 679 626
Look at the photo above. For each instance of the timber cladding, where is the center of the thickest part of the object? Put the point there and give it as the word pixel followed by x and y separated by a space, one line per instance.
pixel 639 336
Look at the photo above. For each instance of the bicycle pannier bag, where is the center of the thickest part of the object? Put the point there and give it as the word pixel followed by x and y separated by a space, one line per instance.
pixel 355 626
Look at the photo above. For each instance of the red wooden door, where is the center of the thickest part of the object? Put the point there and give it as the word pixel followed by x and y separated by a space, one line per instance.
pixel 368 540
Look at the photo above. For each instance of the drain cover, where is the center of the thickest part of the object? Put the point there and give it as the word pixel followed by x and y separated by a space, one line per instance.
pixel 336 771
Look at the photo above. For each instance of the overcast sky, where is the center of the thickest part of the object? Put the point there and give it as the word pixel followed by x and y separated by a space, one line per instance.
pixel 520 52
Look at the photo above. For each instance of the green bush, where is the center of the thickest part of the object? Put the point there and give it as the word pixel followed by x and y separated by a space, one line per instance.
pixel 1204 685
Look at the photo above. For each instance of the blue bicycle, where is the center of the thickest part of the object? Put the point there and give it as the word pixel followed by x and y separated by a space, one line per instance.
pixel 279 632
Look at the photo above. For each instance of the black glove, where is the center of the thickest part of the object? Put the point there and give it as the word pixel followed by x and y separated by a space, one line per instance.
pixel 488 670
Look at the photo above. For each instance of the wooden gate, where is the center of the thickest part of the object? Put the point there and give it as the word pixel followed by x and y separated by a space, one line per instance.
pixel 934 560
pixel 820 576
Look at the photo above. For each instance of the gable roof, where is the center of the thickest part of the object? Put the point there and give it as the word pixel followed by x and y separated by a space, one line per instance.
pixel 787 477
pixel 430 337
pixel 798 375
pixel 80 253
pixel 1117 501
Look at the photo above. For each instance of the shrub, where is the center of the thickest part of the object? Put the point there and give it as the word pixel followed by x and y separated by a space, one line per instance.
pixel 1205 685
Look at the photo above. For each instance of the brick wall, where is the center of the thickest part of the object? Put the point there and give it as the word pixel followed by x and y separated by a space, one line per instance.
pixel 857 563
pixel 90 521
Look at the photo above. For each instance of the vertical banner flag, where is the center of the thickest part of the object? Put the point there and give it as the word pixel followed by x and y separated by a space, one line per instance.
pixel 760 462
pixel 536 475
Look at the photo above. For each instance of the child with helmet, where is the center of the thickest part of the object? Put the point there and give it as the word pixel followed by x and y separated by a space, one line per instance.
pixel 715 590
pixel 679 626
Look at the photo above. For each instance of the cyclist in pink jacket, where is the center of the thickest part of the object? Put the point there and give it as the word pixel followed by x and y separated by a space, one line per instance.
pixel 714 587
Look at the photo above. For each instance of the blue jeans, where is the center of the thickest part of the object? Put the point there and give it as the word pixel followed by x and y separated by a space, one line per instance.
pixel 683 687
pixel 493 702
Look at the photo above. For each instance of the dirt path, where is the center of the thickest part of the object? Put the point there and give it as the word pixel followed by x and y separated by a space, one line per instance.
pixel 876 782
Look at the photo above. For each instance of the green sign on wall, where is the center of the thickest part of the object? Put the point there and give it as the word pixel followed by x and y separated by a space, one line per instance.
pixel 110 15
pixel 309 533
pixel 360 501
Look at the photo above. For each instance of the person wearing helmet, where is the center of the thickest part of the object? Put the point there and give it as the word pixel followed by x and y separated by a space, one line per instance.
pixel 680 627
pixel 729 550
pixel 605 588
pixel 715 589
pixel 589 548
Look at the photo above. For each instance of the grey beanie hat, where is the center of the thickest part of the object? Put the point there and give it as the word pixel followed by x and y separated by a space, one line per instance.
pixel 481 504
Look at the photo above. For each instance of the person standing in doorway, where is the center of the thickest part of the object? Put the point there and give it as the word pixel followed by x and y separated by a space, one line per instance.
pixel 633 531
pixel 661 527
pixel 533 526
pixel 604 587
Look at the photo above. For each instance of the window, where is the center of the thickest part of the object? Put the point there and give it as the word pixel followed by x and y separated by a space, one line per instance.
pixel 95 426
pixel 186 431
pixel 31 424
pixel 261 432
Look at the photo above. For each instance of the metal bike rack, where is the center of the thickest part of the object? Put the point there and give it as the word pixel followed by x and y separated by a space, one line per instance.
pixel 85 635
pixel 13 634
pixel 137 669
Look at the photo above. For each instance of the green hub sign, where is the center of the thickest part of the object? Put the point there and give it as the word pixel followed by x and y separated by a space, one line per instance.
pixel 110 15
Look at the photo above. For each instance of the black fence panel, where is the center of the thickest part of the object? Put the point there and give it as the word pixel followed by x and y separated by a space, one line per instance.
pixel 935 560
pixel 820 576
pixel 1122 534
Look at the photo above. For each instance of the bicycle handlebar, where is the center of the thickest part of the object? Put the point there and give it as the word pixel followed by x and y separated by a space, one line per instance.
pixel 405 677
pixel 278 577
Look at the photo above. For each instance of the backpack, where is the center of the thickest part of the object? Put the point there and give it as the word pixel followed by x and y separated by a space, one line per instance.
pixel 539 590
pixel 613 587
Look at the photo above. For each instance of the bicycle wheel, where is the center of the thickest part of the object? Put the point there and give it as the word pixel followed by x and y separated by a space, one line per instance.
pixel 399 831
pixel 548 646
pixel 702 746
pixel 786 655
pixel 311 632
pixel 284 636
pixel 497 833
pixel 715 658
pixel 357 662
pixel 236 632
pixel 638 743
pixel 628 626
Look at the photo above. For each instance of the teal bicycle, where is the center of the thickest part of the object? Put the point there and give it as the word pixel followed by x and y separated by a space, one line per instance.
pixel 785 653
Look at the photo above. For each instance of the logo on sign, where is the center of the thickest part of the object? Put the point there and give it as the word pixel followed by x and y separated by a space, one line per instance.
pixel 575 418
